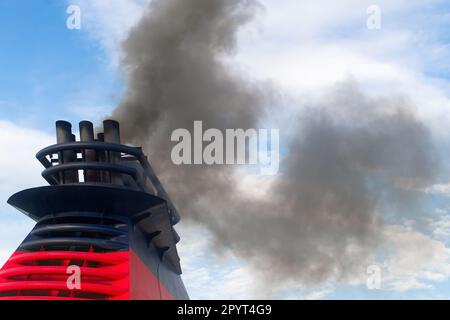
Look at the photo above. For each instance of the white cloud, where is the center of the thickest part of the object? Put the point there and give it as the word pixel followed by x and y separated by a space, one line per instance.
pixel 20 170
pixel 295 292
pixel 19 145
pixel 319 294
pixel 209 276
pixel 415 260
pixel 442 189
pixel 441 227
pixel 307 47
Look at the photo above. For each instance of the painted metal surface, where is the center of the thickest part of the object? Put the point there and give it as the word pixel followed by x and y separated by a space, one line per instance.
pixel 114 222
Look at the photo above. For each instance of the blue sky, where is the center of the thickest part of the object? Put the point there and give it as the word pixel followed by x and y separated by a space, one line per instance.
pixel 48 69
pixel 48 72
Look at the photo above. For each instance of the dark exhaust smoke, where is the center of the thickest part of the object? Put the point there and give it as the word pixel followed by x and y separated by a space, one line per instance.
pixel 346 159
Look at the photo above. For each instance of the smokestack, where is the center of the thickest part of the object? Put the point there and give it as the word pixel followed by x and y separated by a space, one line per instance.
pixel 111 131
pixel 107 230
pixel 63 131
pixel 64 135
pixel 112 135
pixel 87 135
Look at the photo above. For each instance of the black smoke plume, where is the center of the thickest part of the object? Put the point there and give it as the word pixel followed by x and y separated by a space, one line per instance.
pixel 348 157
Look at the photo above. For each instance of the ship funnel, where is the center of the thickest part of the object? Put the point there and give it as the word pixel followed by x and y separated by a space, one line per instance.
pixel 105 212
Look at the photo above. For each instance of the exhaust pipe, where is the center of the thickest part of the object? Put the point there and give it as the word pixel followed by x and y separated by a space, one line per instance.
pixel 87 135
pixel 64 135
pixel 112 135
